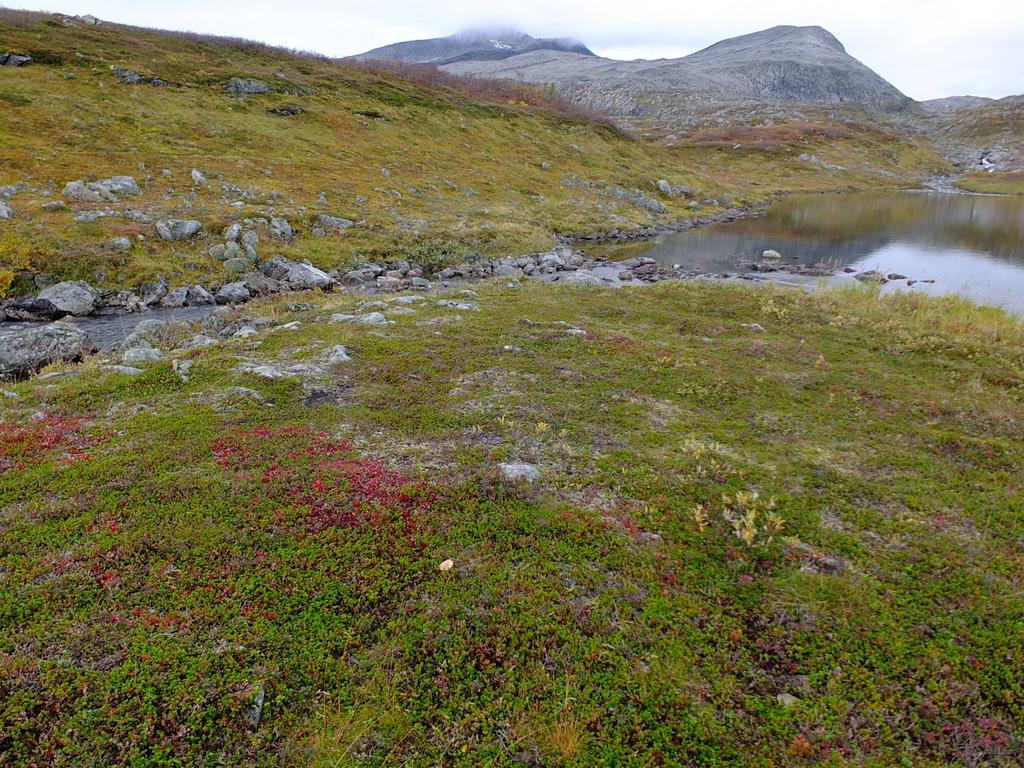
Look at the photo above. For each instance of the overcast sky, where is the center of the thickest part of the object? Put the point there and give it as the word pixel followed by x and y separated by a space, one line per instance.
pixel 926 48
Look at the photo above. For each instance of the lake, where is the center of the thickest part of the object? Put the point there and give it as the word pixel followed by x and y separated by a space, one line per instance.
pixel 972 245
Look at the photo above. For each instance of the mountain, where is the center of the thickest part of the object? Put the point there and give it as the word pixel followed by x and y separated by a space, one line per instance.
pixel 955 103
pixel 472 45
pixel 781 64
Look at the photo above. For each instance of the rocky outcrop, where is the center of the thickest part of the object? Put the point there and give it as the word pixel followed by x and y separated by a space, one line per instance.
pixel 24 353
pixel 110 189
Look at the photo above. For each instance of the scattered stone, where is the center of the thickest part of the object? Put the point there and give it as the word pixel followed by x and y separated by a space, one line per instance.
pixel 519 472
pixel 175 230
pixel 462 306
pixel 121 244
pixel 199 179
pixel 771 255
pixel 233 232
pixel 6 212
pixel 54 206
pixel 753 327
pixel 446 565
pixel 25 353
pixel 199 341
pixel 895 276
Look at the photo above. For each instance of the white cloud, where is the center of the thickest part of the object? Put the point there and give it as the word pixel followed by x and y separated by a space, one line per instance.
pixel 927 48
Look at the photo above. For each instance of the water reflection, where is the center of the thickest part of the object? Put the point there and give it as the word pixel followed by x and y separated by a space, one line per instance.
pixel 969 244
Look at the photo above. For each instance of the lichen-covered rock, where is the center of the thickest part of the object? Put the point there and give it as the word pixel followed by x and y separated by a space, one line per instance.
pixel 296 275
pixel 25 352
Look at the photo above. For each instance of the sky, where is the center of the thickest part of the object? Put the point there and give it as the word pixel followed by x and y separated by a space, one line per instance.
pixel 926 48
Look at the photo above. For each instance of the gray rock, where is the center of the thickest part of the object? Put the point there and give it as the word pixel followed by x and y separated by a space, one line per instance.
pixel 54 205
pixel 237 264
pixel 121 244
pixel 233 293
pixel 26 352
pixel 871 276
pixel 200 340
pixel 282 228
pixel 296 275
pixel 664 187
pixel 77 190
pixel 199 297
pixel 141 354
pixel 337 354
pixel 336 223
pixel 175 230
pixel 153 292
pixel 233 232
pixel 198 179
pixel 175 298
pixel 218 252
pixel 70 298
pixel 580 278
pixel 5 210
pixel 14 60
pixel 519 472
pixel 771 255
pixel 246 86
pixel 251 238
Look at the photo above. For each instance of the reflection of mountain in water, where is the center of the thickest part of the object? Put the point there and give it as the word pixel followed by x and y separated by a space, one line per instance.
pixel 971 245
pixel 844 229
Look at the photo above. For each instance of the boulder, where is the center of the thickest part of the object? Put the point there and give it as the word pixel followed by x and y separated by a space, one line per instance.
pixel 199 297
pixel 336 223
pixel 141 354
pixel 25 352
pixel 296 275
pixel 664 187
pixel 121 244
pixel 175 230
pixel 281 227
pixel 246 86
pixel 14 60
pixel 155 291
pixel 70 298
pixel 233 293
pixel 77 190
pixel 233 232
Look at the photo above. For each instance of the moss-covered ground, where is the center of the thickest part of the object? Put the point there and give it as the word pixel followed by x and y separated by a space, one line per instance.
pixel 236 570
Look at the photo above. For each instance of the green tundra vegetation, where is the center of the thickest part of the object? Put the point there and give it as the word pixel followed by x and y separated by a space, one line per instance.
pixel 513 523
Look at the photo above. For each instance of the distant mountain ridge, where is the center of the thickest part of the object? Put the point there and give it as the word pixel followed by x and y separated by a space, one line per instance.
pixel 473 45
pixel 784 63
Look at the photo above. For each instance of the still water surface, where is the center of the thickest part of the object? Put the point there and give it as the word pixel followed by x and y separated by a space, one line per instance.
pixel 971 245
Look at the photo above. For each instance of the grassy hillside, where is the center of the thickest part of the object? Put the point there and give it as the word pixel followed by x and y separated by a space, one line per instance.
pixel 813 154
pixel 426 170
pixel 245 562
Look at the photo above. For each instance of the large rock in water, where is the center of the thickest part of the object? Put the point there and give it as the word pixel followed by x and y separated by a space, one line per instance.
pixel 69 298
pixel 178 229
pixel 25 352
pixel 296 275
